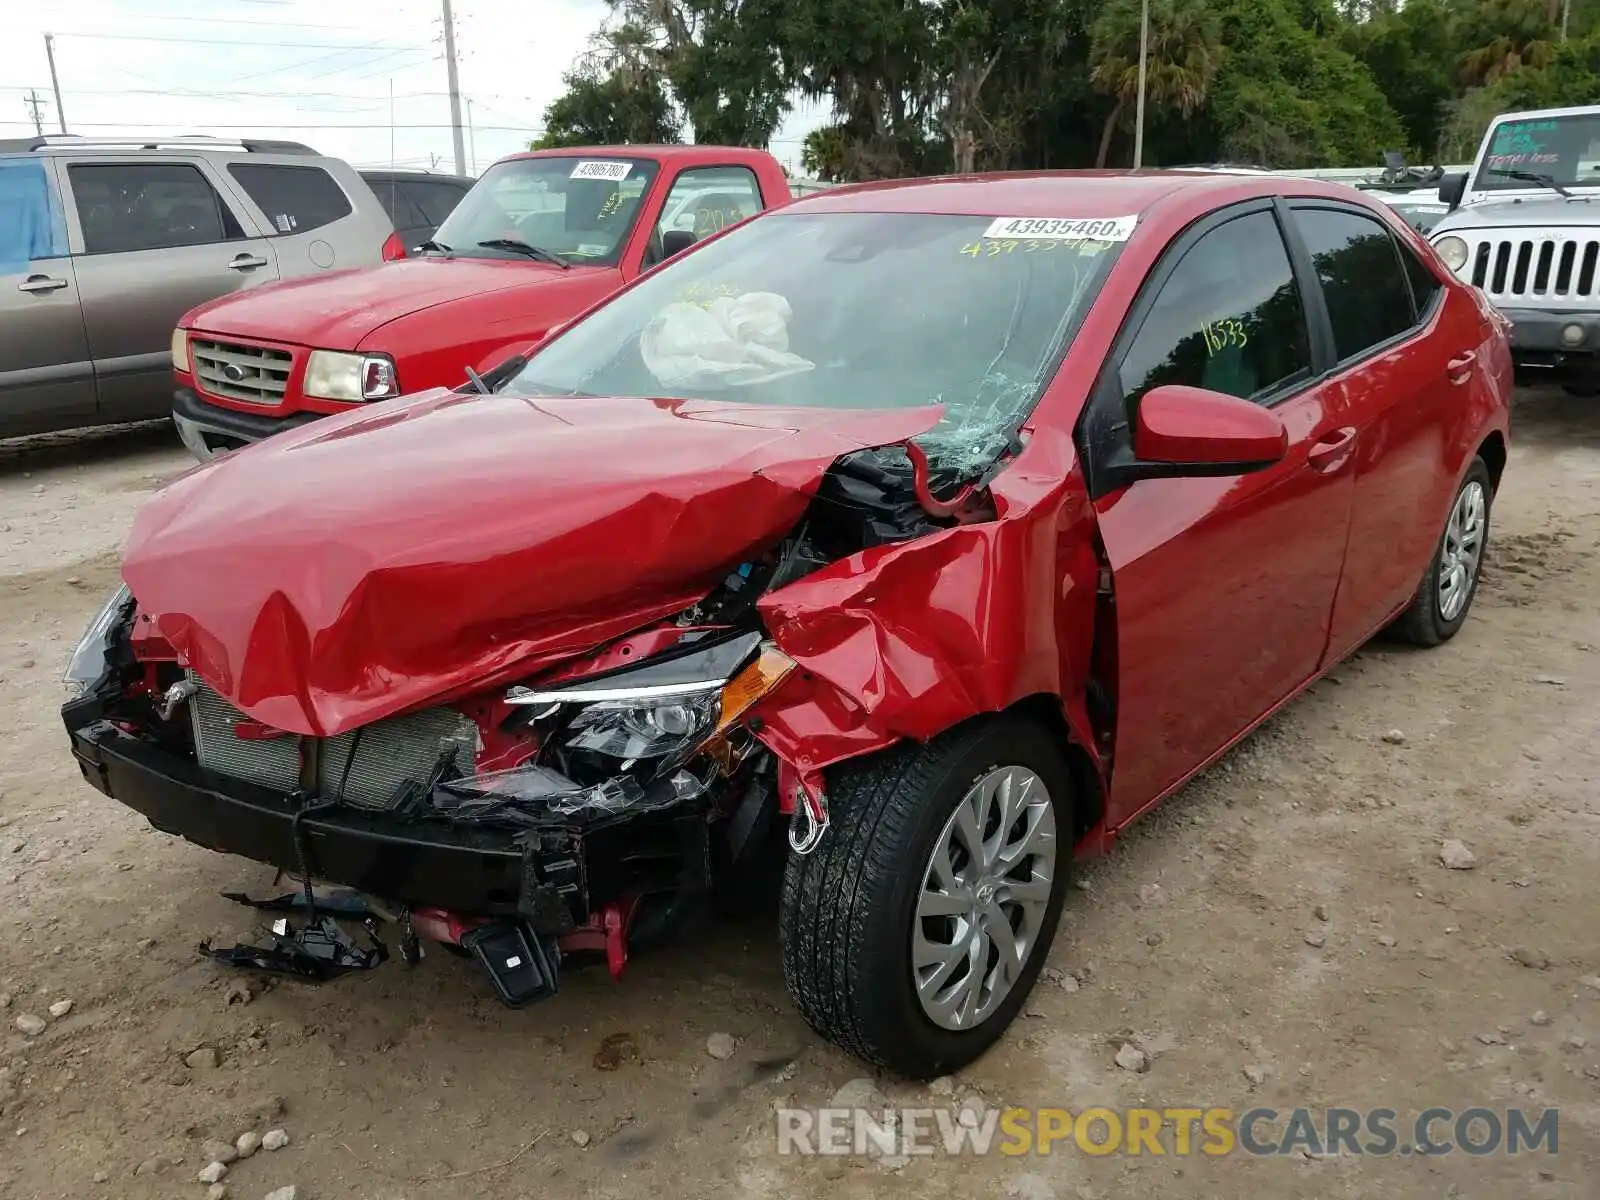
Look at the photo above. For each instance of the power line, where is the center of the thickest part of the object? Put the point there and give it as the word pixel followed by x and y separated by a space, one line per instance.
pixel 257 125
pixel 191 20
pixel 187 41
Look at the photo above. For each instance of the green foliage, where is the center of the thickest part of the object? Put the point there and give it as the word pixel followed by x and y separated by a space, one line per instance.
pixel 609 109
pixel 923 86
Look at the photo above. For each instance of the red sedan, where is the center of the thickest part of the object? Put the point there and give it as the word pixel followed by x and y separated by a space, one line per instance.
pixel 901 544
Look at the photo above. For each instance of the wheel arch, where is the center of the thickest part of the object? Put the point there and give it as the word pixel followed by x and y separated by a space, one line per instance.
pixel 1089 799
pixel 1493 452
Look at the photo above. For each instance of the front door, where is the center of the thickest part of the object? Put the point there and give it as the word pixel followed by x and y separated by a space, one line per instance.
pixel 158 240
pixel 1223 587
pixel 46 378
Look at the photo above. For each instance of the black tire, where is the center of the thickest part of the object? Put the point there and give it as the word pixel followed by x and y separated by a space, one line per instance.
pixel 846 917
pixel 1423 624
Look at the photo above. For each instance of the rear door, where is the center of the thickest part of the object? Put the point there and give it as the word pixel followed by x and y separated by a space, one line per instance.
pixel 158 237
pixel 1223 587
pixel 312 218
pixel 1397 351
pixel 46 377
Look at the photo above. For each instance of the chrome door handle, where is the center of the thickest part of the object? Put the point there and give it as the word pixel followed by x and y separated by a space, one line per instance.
pixel 41 283
pixel 246 262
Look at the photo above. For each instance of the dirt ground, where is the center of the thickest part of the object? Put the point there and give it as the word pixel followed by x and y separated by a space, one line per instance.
pixel 1191 939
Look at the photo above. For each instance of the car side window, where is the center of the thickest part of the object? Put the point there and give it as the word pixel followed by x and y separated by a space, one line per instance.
pixel 295 199
pixel 1363 282
pixel 1425 284
pixel 148 206
pixel 706 200
pixel 34 226
pixel 1228 318
pixel 436 200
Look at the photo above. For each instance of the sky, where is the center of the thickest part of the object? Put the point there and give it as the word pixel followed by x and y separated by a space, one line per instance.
pixel 315 71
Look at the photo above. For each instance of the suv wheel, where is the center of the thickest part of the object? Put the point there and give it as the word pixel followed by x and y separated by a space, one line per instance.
pixel 1441 604
pixel 915 931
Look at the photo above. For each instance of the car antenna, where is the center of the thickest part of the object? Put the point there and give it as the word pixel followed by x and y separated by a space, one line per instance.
pixel 478 385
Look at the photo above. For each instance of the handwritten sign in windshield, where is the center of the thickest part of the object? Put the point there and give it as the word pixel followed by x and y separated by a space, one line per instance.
pixel 1524 144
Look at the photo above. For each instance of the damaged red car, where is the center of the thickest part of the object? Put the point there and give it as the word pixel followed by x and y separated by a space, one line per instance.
pixel 904 543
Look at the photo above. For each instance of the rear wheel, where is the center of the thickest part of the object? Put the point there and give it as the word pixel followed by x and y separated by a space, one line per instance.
pixel 913 934
pixel 1441 604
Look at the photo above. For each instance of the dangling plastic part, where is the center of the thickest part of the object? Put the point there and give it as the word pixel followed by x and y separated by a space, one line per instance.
pixel 808 824
pixel 923 488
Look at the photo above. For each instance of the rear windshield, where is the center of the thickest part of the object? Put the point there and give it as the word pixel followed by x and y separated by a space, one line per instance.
pixel 580 209
pixel 844 310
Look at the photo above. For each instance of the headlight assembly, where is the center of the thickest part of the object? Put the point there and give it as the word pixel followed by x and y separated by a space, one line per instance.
pixel 335 375
pixel 1453 250
pixel 88 661
pixel 642 727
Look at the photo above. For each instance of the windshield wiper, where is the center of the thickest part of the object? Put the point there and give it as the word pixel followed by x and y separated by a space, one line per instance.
pixel 522 247
pixel 1548 181
pixel 436 247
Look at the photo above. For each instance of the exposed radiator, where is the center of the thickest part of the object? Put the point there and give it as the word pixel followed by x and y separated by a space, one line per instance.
pixel 387 754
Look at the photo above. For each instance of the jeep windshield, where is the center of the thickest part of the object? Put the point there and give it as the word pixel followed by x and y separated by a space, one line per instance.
pixel 1552 152
pixel 846 310
pixel 575 210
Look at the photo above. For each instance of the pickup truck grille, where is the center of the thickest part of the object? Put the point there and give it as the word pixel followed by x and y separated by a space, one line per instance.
pixel 1520 267
pixel 258 374
pixel 388 753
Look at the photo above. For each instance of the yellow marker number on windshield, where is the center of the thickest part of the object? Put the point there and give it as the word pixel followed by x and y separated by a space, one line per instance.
pixel 1223 334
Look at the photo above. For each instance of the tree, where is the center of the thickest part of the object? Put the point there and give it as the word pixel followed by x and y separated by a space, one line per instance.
pixel 1183 54
pixel 610 108
pixel 723 61
pixel 825 153
pixel 1501 35
pixel 1413 58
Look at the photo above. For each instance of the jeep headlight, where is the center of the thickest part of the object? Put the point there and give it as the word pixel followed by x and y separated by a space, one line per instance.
pixel 1453 250
pixel 336 375
pixel 88 661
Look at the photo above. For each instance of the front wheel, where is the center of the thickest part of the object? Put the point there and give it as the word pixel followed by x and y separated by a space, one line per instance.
pixel 915 931
pixel 1441 604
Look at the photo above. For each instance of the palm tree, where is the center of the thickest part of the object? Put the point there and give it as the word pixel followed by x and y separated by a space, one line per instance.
pixel 1182 58
pixel 1507 34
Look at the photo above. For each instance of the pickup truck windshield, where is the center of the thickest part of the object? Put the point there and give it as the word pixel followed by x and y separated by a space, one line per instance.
pixel 579 210
pixel 845 310
pixel 1522 154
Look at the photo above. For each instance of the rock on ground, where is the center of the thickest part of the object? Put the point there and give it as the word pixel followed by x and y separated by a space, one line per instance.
pixel 212 1172
pixel 249 1142
pixel 1455 855
pixel 274 1139
pixel 1131 1058
pixel 720 1045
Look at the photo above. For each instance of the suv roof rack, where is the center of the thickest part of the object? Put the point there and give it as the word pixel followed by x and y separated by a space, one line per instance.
pixel 189 141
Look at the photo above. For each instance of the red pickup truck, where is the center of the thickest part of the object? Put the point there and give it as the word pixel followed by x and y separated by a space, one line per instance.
pixel 539 239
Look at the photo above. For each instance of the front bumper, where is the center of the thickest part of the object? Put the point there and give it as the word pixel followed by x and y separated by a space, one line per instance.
pixel 208 430
pixel 551 877
pixel 1539 349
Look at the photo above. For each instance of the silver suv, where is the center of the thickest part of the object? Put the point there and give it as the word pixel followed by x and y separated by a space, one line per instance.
pixel 104 244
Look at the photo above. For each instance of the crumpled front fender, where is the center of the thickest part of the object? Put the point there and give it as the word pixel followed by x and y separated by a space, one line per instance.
pixel 909 640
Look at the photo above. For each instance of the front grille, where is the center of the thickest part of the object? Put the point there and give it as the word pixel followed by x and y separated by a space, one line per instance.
pixel 1522 266
pixel 258 374
pixel 405 749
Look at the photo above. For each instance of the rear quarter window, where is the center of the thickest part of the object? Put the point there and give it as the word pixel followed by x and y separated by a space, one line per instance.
pixel 295 199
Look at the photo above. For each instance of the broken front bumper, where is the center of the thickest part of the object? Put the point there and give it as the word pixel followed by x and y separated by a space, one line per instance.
pixel 553 878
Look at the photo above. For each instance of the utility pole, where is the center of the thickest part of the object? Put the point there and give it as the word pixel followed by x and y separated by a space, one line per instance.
pixel 34 102
pixel 1138 118
pixel 455 88
pixel 55 83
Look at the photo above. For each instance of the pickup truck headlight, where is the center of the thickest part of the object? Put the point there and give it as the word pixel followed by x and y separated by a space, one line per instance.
pixel 1453 250
pixel 337 375
pixel 88 661
pixel 180 350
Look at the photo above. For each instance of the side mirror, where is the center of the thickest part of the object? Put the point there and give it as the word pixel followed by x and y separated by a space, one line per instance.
pixel 1182 431
pixel 675 241
pixel 1452 188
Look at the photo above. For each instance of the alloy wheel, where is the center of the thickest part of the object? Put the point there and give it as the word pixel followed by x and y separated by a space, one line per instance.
pixel 1462 552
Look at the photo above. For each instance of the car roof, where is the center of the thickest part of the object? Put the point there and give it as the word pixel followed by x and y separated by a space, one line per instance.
pixel 385 174
pixel 709 155
pixel 1074 194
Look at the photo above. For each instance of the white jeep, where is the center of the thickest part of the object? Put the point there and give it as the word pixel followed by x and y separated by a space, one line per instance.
pixel 1524 226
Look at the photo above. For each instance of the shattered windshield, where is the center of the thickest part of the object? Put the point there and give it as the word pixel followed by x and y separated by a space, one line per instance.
pixel 845 310
pixel 1564 150
pixel 579 210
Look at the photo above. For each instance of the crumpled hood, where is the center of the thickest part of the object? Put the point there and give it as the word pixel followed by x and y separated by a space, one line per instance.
pixel 337 310
pixel 335 574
